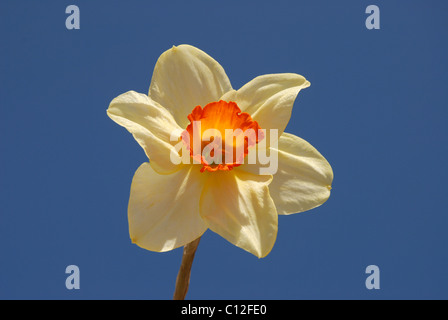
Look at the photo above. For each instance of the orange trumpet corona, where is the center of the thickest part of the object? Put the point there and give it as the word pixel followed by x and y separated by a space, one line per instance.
pixel 215 135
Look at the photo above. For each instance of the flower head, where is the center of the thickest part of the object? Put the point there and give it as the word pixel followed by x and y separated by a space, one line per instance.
pixel 205 178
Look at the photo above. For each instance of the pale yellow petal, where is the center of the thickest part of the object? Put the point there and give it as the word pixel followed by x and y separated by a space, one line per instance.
pixel 163 210
pixel 150 124
pixel 269 98
pixel 185 77
pixel 237 206
pixel 304 177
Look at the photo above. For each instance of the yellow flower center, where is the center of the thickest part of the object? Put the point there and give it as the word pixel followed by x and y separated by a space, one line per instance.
pixel 219 135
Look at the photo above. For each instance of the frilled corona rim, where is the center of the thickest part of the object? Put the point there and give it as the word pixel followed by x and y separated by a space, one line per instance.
pixel 219 135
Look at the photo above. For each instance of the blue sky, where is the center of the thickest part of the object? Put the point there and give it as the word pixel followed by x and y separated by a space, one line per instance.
pixel 376 109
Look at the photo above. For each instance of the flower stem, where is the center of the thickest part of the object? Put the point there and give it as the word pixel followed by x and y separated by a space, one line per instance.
pixel 183 277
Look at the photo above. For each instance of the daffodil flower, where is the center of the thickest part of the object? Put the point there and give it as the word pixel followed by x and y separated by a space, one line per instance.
pixel 172 203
